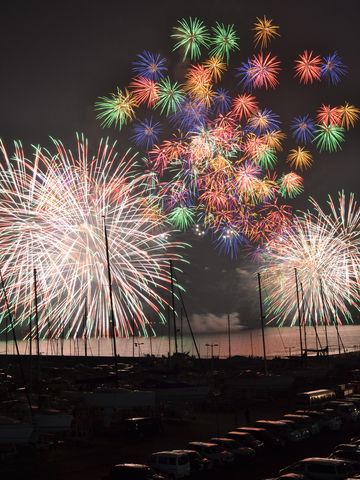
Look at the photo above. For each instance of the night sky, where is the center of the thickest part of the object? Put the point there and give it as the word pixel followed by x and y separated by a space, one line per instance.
pixel 57 57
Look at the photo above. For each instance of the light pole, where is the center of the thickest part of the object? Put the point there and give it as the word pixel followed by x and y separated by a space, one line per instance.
pixel 212 345
pixel 138 344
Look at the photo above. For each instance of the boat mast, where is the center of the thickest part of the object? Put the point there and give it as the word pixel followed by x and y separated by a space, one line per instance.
pixel 173 305
pixel 112 316
pixel 262 317
pixel 36 316
pixel 298 308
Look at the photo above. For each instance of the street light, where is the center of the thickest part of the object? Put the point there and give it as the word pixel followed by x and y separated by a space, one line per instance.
pixel 138 344
pixel 212 345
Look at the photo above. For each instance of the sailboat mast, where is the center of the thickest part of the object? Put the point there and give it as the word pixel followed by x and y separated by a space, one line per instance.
pixel 112 316
pixel 36 315
pixel 173 305
pixel 299 313
pixel 262 324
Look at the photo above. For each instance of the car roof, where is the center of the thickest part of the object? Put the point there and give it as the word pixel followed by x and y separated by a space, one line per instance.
pixel 252 429
pixel 221 439
pixel 323 460
pixel 203 444
pixel 130 465
pixel 168 452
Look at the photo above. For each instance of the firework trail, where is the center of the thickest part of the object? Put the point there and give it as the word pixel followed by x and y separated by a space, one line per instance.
pixel 52 212
pixel 324 248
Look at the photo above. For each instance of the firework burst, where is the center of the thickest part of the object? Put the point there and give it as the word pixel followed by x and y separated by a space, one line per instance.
pixel 53 209
pixel 323 247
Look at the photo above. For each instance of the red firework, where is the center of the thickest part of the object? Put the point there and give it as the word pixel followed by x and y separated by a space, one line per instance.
pixel 308 67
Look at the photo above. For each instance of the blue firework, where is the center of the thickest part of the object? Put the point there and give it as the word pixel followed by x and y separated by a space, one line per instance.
pixel 150 65
pixel 190 116
pixel 228 241
pixel 146 133
pixel 221 101
pixel 244 74
pixel 333 68
pixel 302 129
pixel 264 121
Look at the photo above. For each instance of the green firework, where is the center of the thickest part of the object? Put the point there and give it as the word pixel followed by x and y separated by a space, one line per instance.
pixel 170 96
pixel 191 35
pixel 182 217
pixel 267 158
pixel 117 109
pixel 329 138
pixel 224 41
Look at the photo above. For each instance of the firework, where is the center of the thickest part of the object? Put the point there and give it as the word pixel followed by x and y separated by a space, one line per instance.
pixel 191 35
pixel 170 96
pixel 264 121
pixel 333 69
pixel 349 115
pixel 291 185
pixel 224 41
pixel 222 163
pixel 308 67
pixel 117 110
pixel 323 247
pixel 146 133
pixel 329 137
pixel 182 217
pixel 265 31
pixel 299 158
pixel 264 71
pixel 145 91
pixel 329 115
pixel 303 129
pixel 53 211
pixel 221 101
pixel 216 67
pixel 244 106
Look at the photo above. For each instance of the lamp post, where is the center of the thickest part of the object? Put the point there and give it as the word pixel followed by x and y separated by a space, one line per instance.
pixel 138 344
pixel 212 345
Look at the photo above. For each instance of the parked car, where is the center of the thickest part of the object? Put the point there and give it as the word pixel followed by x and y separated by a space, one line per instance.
pixel 323 420
pixel 303 431
pixel 198 463
pixel 353 455
pixel 336 420
pixel 317 468
pixel 349 447
pixel 213 452
pixel 290 476
pixel 240 453
pixel 269 438
pixel 304 420
pixel 246 439
pixel 280 428
pixel 346 410
pixel 133 471
pixel 176 464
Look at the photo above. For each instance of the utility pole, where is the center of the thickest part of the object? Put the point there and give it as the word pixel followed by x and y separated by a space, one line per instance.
pixel 299 313
pixel 112 316
pixel 262 324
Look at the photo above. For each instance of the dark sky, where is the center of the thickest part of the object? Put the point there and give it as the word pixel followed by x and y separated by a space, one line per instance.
pixel 57 57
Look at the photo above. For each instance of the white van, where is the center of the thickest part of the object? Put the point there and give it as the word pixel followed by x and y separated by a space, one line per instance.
pixel 322 468
pixel 176 464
